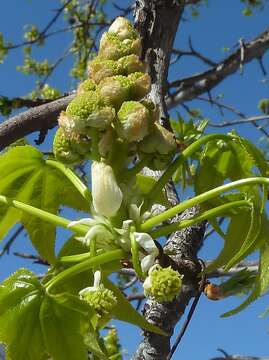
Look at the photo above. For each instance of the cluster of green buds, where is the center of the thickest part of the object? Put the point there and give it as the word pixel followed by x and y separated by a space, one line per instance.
pixel 102 300
pixel 112 345
pixel 110 107
pixel 162 284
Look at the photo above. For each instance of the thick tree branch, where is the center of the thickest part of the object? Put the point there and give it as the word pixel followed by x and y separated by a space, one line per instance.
pixel 189 88
pixel 157 22
pixel 36 119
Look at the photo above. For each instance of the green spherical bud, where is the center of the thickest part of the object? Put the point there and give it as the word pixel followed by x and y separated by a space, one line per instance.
pixel 140 84
pixel 130 64
pixel 86 86
pixel 264 106
pixel 101 299
pixel 100 69
pixel 123 28
pixel 70 148
pixel 114 48
pixel 133 121
pixel 88 110
pixel 163 284
pixel 115 90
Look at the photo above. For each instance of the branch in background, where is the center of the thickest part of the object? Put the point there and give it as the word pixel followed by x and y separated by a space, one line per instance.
pixel 37 119
pixel 239 121
pixel 9 243
pixel 37 259
pixel 248 265
pixel 194 53
pixel 232 109
pixel 237 357
pixel 190 88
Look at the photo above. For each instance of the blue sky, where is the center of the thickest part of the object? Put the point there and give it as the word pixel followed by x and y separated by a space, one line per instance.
pixel 219 25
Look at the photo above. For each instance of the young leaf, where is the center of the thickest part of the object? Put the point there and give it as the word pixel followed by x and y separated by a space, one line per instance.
pixel 145 184
pixel 20 299
pixel 62 328
pixel 262 279
pixel 236 234
pixel 26 177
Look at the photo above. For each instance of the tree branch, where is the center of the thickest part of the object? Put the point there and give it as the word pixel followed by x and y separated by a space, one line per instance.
pixel 36 119
pixel 189 88
pixel 157 22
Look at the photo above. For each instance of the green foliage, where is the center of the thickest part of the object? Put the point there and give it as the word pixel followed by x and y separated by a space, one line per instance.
pixel 26 177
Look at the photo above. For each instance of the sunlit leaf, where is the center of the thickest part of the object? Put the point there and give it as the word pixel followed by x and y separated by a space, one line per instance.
pixel 26 177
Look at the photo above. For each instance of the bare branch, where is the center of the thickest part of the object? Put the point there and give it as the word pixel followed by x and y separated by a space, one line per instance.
pixel 239 121
pixel 37 119
pixel 194 53
pixel 189 88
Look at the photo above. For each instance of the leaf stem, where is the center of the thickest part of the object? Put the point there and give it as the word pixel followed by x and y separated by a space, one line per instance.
pixel 149 224
pixel 219 210
pixel 167 175
pixel 75 180
pixel 44 215
pixel 85 265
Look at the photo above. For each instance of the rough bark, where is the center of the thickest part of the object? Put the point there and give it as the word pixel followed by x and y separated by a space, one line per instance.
pixel 39 118
pixel 157 22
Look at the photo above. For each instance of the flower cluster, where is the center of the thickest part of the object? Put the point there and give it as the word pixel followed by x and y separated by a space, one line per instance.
pixel 163 284
pixel 110 106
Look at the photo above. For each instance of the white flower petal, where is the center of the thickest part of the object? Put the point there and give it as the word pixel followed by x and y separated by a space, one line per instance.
pixel 97 279
pixel 146 242
pixel 106 194
pixel 85 221
pixel 147 262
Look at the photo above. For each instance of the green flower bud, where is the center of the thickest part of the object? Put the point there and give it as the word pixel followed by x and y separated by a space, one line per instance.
pixel 88 110
pixel 140 84
pixel 115 90
pixel 159 140
pixel 133 121
pixel 114 48
pixel 101 299
pixel 161 143
pixel 106 193
pixel 100 69
pixel 264 106
pixel 123 28
pixel 86 86
pixel 163 284
pixel 66 123
pixel 70 148
pixel 112 344
pixel 130 64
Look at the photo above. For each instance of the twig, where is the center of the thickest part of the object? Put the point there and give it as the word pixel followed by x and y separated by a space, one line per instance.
pixel 190 314
pixel 240 121
pixel 37 259
pixel 7 246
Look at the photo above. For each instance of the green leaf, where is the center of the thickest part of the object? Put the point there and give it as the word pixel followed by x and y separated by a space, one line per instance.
pixel 62 328
pixel 238 284
pixel 262 279
pixel 20 298
pixel 125 312
pixel 26 177
pixel 236 234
